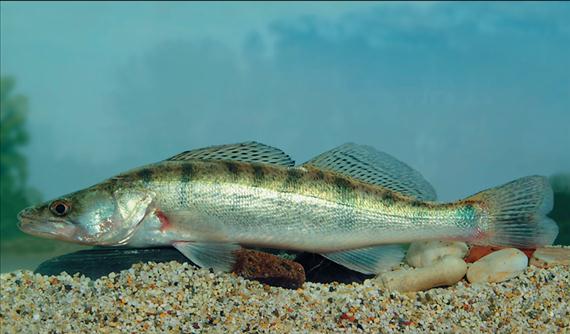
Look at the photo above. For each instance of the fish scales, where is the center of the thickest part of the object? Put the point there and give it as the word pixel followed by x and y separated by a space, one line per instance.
pixel 282 207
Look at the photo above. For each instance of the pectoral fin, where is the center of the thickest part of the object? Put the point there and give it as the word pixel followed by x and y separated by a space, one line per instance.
pixel 369 260
pixel 216 255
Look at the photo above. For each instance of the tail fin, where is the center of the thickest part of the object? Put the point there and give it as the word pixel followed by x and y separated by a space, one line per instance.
pixel 516 214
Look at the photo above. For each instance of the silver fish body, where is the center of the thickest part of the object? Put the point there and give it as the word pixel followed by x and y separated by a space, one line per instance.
pixel 308 214
pixel 351 204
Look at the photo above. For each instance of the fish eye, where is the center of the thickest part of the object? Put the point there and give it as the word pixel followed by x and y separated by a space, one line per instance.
pixel 59 208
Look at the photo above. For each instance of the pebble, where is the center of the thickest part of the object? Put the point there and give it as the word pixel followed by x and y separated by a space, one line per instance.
pixel 177 297
pixel 425 253
pixel 446 271
pixel 548 257
pixel 497 266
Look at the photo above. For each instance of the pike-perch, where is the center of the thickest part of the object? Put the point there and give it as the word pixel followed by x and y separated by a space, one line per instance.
pixel 352 204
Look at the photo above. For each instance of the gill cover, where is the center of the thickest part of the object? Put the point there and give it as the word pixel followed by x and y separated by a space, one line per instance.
pixel 112 220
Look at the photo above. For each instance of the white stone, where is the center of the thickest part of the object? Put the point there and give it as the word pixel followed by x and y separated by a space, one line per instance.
pixel 425 253
pixel 498 266
pixel 549 257
pixel 447 271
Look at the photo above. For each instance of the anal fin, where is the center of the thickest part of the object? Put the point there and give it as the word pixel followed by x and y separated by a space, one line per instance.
pixel 216 255
pixel 369 260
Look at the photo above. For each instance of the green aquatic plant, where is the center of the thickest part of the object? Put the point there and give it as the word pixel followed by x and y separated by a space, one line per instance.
pixel 14 192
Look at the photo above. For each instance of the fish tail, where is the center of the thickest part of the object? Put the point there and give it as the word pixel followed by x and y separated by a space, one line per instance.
pixel 514 214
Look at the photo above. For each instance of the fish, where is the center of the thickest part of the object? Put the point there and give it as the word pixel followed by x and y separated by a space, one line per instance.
pixel 353 204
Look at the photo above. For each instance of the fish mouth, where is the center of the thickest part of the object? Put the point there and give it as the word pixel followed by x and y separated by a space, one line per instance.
pixel 51 228
pixel 25 221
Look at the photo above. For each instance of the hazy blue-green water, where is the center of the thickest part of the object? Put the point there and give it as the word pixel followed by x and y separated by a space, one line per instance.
pixel 471 95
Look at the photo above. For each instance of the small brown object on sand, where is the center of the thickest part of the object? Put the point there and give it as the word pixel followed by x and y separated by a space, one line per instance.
pixel 269 269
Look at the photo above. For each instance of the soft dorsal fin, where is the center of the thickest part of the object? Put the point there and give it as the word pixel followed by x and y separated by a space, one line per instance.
pixel 369 165
pixel 244 152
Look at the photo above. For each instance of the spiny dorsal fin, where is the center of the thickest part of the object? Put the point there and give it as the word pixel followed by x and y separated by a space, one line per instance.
pixel 244 152
pixel 369 165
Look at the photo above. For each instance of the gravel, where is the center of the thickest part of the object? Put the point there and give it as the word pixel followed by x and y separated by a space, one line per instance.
pixel 179 298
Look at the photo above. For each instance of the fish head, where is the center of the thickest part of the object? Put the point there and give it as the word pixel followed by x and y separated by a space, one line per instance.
pixel 94 216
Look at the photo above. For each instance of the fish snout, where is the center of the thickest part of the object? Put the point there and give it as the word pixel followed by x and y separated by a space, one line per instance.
pixel 25 217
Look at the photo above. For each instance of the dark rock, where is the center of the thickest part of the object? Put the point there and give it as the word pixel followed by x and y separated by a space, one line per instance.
pixel 97 262
pixel 269 269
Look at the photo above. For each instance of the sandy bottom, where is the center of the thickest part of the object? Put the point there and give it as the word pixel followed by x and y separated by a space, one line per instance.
pixel 179 298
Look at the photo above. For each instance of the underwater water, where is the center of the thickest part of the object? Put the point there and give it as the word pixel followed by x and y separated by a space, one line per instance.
pixel 470 95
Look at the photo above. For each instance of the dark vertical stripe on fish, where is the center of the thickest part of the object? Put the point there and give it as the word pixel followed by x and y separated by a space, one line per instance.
pixel 186 173
pixel 232 167
pixel 319 175
pixel 416 203
pixel 145 175
pixel 346 195
pixel 258 175
pixel 388 198
pixel 294 176
pixel 345 189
